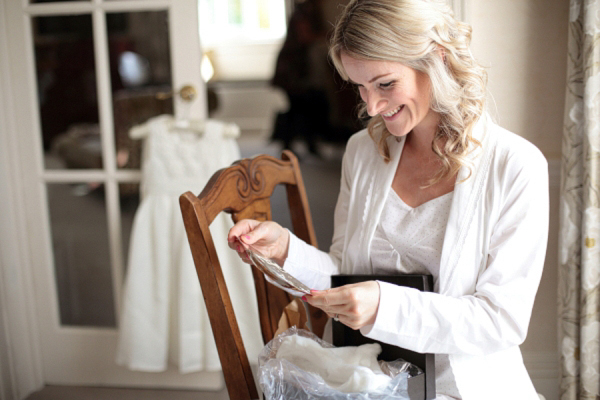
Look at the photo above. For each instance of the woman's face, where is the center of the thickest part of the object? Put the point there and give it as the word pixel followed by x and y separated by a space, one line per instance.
pixel 401 95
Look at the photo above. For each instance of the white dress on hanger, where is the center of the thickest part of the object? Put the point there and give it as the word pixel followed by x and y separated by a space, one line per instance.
pixel 163 317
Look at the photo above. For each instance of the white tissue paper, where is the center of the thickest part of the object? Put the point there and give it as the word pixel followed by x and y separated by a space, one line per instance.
pixel 299 365
pixel 347 369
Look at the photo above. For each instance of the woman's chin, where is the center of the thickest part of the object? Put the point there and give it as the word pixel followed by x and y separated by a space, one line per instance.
pixel 397 132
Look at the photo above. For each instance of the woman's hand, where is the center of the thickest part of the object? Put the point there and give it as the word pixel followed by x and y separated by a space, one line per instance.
pixel 268 238
pixel 355 305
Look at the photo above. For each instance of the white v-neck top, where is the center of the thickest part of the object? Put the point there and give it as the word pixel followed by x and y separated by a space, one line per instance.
pixel 409 240
pixel 413 236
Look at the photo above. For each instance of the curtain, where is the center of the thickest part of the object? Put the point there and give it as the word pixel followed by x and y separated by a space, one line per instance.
pixel 579 243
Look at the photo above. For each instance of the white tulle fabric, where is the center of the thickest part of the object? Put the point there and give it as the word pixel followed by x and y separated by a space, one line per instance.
pixel 163 318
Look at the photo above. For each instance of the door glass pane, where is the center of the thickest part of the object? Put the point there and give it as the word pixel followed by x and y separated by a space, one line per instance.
pixel 140 66
pixel 66 83
pixel 81 254
pixel 130 200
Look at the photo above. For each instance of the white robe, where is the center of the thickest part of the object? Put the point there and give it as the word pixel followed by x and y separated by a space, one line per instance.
pixel 492 260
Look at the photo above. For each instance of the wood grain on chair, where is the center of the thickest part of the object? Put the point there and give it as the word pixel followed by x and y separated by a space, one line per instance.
pixel 244 191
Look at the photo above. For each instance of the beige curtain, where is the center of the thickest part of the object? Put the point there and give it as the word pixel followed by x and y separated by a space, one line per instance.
pixel 579 253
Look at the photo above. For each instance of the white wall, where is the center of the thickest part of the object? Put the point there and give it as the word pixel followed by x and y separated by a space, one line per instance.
pixel 524 44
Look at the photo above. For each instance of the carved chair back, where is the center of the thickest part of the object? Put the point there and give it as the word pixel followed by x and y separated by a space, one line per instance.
pixel 244 191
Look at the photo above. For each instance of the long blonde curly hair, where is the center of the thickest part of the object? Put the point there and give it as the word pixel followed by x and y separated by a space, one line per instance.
pixel 412 32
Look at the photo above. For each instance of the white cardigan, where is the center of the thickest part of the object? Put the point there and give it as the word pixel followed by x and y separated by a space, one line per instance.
pixel 491 265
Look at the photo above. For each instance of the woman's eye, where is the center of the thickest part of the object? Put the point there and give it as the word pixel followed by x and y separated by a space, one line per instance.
pixel 386 84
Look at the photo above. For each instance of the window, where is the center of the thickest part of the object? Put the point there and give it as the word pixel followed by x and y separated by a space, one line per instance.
pixel 241 21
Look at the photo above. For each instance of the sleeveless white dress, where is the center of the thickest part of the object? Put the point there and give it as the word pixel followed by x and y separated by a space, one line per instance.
pixel 163 318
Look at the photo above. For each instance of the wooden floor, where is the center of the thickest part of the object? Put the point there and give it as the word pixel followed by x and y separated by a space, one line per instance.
pixel 91 393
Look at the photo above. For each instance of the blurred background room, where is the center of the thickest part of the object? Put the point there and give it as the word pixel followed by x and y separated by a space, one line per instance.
pixel 77 76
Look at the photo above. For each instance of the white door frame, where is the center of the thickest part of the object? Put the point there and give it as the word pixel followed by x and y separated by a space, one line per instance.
pixel 21 360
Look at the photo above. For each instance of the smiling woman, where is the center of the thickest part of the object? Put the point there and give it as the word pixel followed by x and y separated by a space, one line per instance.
pixel 432 186
pixel 434 43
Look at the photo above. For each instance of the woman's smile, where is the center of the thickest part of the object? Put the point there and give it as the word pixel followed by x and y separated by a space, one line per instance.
pixel 389 116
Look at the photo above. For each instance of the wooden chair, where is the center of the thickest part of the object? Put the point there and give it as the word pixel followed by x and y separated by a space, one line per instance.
pixel 244 190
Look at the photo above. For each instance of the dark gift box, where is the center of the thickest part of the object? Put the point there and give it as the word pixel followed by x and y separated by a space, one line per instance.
pixel 420 386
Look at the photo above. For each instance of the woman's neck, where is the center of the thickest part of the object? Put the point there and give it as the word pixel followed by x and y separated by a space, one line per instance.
pixel 419 140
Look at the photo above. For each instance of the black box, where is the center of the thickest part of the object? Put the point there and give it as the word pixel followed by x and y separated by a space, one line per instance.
pixel 420 387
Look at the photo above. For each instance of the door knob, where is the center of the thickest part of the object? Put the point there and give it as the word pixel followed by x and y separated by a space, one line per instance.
pixel 187 93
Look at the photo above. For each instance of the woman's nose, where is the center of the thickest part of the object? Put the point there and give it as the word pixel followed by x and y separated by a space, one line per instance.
pixel 375 103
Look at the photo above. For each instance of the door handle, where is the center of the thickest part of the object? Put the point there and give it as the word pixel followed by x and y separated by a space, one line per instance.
pixel 187 93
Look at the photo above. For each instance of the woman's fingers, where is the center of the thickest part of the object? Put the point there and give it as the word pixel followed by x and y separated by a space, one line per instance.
pixel 329 298
pixel 233 238
pixel 241 228
pixel 332 301
pixel 355 305
pixel 267 238
pixel 239 248
pixel 262 234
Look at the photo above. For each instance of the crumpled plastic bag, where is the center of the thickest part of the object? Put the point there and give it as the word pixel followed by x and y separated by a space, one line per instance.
pixel 280 379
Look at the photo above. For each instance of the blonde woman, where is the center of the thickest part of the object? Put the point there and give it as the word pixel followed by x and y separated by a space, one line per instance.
pixel 431 186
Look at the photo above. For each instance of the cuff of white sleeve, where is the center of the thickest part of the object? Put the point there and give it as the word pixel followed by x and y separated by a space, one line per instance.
pixel 302 263
pixel 290 264
pixel 390 313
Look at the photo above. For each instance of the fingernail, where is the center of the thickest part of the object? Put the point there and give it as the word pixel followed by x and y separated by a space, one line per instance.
pixel 303 298
pixel 314 291
pixel 246 237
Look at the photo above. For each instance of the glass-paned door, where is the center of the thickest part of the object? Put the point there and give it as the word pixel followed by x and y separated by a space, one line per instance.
pixel 89 71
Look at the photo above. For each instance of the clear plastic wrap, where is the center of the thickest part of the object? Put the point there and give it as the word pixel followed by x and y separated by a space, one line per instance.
pixel 277 275
pixel 280 379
